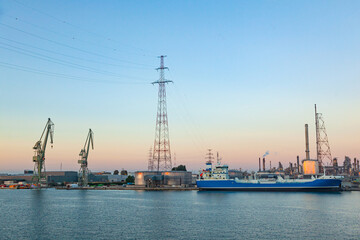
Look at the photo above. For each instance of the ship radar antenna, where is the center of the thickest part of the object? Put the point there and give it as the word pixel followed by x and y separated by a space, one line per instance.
pixel 218 158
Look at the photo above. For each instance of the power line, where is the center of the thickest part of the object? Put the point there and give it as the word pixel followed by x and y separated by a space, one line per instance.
pixel 61 75
pixel 71 47
pixel 78 27
pixel 65 35
pixel 57 61
pixel 70 56
pixel 193 126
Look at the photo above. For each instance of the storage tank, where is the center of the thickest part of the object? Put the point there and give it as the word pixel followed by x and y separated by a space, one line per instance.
pixel 310 167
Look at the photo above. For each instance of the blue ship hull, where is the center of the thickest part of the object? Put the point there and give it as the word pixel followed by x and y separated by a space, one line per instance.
pixel 231 185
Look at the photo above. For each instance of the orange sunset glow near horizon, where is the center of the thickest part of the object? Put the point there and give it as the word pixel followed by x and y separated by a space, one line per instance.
pixel 116 147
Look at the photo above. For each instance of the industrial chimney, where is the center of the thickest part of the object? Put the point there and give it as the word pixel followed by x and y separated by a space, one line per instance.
pixel 307 151
pixel 264 164
pixel 259 164
pixel 298 164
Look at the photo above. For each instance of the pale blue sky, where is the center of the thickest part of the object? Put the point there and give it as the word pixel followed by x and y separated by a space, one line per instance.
pixel 246 75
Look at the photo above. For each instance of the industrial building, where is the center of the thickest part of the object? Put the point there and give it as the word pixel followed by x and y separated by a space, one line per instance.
pixel 163 178
pixel 16 178
pixel 96 177
pixel 53 177
pixel 60 177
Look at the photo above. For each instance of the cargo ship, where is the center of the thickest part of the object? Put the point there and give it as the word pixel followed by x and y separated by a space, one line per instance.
pixel 217 178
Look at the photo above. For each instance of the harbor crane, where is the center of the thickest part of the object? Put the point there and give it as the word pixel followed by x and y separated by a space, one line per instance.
pixel 39 177
pixel 84 153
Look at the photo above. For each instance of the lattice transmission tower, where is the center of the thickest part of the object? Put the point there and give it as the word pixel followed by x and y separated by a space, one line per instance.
pixel 209 156
pixel 161 150
pixel 322 142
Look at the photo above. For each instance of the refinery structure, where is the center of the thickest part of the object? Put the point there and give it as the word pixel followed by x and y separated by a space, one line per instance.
pixel 323 164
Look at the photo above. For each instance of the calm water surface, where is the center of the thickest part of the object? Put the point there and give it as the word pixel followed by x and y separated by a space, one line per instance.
pixel 61 214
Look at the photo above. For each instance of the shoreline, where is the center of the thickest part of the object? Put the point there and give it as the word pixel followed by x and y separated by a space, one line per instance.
pixel 132 188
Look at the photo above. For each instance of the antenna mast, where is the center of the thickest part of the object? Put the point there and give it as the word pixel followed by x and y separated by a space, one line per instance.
pixel 218 158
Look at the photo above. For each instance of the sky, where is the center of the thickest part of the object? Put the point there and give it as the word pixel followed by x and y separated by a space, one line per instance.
pixel 246 77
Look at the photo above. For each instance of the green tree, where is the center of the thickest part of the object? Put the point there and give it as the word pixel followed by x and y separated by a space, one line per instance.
pixel 179 168
pixel 130 179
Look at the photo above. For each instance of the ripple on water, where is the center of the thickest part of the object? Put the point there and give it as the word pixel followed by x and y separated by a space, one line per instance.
pixel 51 214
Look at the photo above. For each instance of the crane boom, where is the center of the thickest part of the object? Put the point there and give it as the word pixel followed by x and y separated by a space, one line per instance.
pixel 84 153
pixel 39 176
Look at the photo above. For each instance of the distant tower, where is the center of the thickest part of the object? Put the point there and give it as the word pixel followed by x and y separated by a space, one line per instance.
pixel 307 151
pixel 150 161
pixel 322 142
pixel 175 159
pixel 209 156
pixel 218 158
pixel 161 153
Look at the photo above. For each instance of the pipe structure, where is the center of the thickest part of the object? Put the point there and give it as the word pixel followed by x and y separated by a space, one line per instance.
pixel 307 151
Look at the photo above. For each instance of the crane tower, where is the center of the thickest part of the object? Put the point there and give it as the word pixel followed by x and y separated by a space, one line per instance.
pixel 39 177
pixel 161 151
pixel 84 153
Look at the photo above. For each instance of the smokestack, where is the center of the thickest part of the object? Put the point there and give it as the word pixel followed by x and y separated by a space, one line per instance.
pixel 354 164
pixel 264 164
pixel 358 165
pixel 298 164
pixel 259 164
pixel 307 151
pixel 291 168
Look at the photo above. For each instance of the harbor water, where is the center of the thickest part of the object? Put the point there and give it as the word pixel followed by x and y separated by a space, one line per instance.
pixel 97 214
